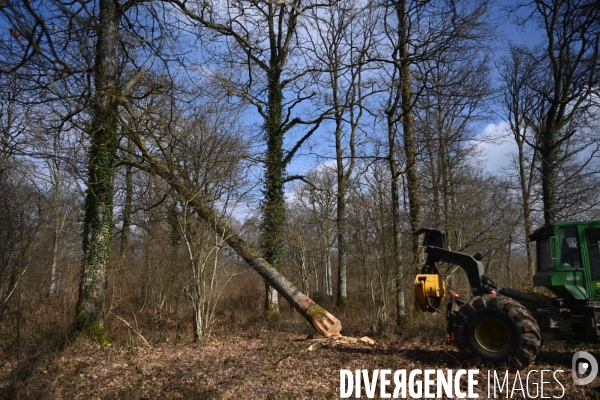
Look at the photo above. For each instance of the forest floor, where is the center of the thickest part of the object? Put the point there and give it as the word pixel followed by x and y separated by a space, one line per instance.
pixel 283 361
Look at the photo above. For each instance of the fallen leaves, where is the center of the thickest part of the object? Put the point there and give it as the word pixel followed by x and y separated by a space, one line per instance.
pixel 271 364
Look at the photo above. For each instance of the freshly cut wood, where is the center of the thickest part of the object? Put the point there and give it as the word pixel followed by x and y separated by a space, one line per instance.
pixel 323 322
pixel 314 346
pixel 339 339
pixel 367 340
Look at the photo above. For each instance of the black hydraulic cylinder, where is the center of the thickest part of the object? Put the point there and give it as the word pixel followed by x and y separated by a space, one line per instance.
pixel 471 266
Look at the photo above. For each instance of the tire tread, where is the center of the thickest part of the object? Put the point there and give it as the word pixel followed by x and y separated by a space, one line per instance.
pixel 526 347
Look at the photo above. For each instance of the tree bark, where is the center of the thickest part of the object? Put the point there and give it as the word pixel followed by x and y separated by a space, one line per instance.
pixel 128 206
pixel 97 224
pixel 400 304
pixel 274 204
pixel 410 147
pixel 55 240
pixel 342 177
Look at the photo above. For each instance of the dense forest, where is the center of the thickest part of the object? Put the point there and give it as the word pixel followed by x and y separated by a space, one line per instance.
pixel 156 154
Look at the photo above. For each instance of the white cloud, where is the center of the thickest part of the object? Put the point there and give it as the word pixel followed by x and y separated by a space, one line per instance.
pixel 497 147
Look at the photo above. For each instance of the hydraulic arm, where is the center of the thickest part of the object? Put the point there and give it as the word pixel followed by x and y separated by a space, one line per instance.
pixel 430 288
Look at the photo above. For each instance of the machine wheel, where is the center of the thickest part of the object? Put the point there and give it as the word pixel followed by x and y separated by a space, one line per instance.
pixel 497 331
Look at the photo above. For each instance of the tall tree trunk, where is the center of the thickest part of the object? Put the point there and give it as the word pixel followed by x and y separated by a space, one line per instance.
pixel 97 224
pixel 433 157
pixel 128 206
pixel 328 282
pixel 59 218
pixel 274 203
pixel 525 182
pixel 198 314
pixel 446 189
pixel 400 305
pixel 410 145
pixel 401 104
pixel 342 180
pixel 55 240
pixel 549 156
pixel 342 177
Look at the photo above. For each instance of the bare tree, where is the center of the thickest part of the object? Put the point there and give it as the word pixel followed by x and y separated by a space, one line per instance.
pixel 22 215
pixel 516 70
pixel 316 200
pixel 78 55
pixel 211 152
pixel 21 201
pixel 453 98
pixel 562 79
pixel 372 242
pixel 209 276
pixel 345 37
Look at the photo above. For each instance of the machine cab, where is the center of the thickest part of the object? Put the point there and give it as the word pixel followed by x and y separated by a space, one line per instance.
pixel 568 259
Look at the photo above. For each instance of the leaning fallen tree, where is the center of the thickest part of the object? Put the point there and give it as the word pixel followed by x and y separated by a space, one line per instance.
pixel 324 322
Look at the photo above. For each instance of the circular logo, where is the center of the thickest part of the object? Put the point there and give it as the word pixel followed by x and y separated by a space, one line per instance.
pixel 581 363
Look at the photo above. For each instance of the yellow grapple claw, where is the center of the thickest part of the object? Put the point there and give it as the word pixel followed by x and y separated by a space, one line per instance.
pixel 430 290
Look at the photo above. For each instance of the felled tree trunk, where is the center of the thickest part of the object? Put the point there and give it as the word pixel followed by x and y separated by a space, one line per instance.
pixel 325 323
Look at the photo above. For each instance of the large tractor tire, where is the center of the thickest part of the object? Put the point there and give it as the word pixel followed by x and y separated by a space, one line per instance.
pixel 497 331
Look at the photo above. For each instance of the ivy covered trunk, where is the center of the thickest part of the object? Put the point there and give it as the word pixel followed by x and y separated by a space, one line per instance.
pixel 274 203
pixel 97 224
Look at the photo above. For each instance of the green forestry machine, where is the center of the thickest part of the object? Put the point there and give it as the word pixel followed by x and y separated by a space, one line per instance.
pixel 504 327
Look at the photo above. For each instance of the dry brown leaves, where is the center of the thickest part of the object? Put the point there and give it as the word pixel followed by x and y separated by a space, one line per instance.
pixel 267 365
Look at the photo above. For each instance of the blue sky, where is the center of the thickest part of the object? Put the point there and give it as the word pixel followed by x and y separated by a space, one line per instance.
pixel 498 154
pixel 495 156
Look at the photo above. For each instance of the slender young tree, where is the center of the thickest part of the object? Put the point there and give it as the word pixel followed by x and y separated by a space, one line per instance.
pixel 399 110
pixel 516 70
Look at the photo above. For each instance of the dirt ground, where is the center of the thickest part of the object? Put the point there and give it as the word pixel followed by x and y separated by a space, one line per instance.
pixel 261 363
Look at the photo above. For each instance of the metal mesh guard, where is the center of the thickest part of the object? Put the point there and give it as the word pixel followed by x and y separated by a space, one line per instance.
pixel 592 236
